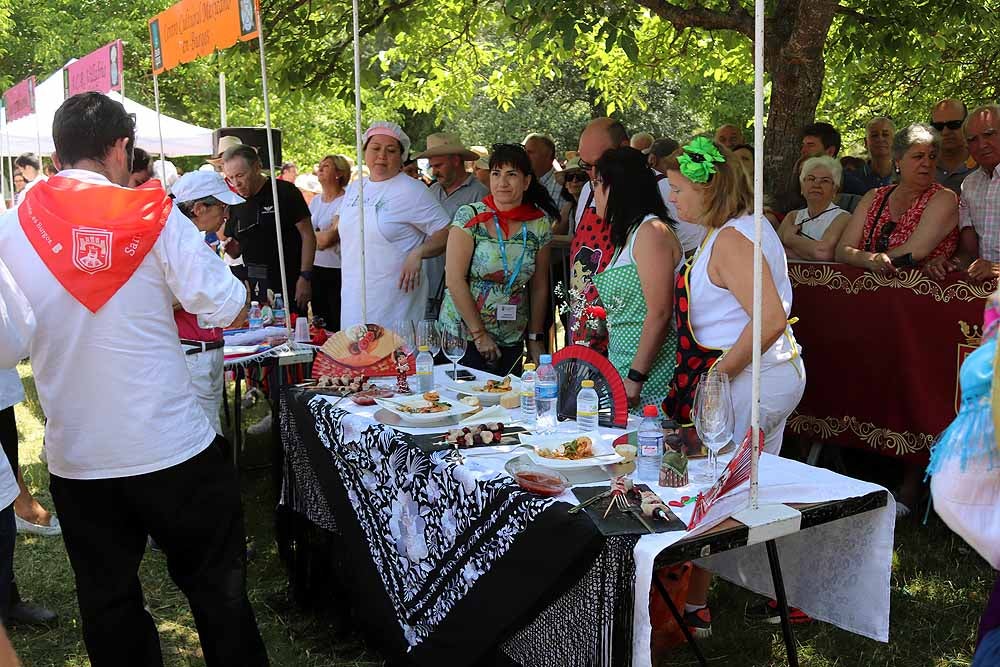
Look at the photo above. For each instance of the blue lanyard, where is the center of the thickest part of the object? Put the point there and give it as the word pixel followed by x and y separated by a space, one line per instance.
pixel 503 253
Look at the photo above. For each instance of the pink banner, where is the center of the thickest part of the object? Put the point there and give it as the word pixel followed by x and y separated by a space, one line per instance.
pixel 20 100
pixel 99 71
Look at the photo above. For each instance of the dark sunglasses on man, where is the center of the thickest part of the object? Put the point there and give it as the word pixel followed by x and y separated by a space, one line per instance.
pixel 580 177
pixel 950 124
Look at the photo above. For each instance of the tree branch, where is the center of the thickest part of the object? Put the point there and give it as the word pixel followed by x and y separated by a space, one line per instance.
pixel 737 19
pixel 857 16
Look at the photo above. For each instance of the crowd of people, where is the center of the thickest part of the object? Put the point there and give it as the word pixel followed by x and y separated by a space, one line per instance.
pixel 660 241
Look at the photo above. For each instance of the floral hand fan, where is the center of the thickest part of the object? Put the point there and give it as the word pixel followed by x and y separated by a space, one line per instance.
pixel 368 350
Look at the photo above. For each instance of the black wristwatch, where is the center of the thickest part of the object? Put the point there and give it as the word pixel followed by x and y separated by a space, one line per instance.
pixel 535 336
pixel 636 376
pixel 308 275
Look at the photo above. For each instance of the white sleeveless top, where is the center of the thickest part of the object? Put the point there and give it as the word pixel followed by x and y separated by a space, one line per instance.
pixel 717 318
pixel 815 227
pixel 625 257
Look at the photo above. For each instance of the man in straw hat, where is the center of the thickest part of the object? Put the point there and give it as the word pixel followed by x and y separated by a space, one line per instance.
pixel 453 187
pixel 225 143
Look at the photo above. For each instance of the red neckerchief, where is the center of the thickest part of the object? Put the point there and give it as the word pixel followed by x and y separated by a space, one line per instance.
pixel 93 236
pixel 522 213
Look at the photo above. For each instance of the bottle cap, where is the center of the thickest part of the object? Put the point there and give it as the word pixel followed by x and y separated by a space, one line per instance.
pixel 545 359
pixel 529 366
pixel 254 303
pixel 424 348
pixel 650 411
pixel 589 384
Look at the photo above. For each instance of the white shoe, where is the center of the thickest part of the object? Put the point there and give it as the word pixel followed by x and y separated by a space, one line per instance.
pixel 25 526
pixel 261 427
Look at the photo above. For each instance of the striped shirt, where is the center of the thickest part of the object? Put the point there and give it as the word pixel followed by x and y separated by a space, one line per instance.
pixel 979 208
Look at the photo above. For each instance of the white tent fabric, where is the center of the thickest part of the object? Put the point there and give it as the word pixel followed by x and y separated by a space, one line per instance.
pixel 179 138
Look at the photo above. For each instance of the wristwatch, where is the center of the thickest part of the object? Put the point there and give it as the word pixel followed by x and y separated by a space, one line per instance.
pixel 308 275
pixel 636 376
pixel 535 336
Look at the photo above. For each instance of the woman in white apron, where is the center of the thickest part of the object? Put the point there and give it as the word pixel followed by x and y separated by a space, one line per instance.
pixel 403 225
pixel 709 188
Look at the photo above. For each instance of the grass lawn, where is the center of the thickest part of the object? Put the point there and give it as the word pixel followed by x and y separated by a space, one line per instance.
pixel 938 591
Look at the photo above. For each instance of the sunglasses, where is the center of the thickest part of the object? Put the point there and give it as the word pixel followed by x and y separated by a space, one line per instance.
pixel 576 178
pixel 950 124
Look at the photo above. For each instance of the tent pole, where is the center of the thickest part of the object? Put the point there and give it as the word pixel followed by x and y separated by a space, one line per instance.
pixel 3 137
pixel 159 129
pixel 360 162
pixel 758 263
pixel 222 100
pixel 289 297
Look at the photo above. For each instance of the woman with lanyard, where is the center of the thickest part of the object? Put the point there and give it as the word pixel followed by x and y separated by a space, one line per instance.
pixel 494 247
pixel 403 225
pixel 636 288
pixel 813 232
pixel 714 297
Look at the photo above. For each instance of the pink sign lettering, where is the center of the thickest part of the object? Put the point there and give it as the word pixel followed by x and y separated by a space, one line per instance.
pixel 99 71
pixel 20 99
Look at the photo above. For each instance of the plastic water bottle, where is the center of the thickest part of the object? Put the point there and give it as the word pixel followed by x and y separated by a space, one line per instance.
pixel 255 315
pixel 587 407
pixel 546 395
pixel 650 446
pixel 425 369
pixel 528 412
pixel 279 311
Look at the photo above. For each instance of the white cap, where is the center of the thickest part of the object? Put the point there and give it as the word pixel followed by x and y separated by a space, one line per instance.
pixel 309 183
pixel 200 184
pixel 390 130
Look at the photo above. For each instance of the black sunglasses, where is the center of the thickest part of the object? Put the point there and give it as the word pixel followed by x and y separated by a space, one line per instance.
pixel 950 124
pixel 577 178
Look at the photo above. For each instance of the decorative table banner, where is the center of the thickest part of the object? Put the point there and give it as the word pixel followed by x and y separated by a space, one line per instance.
pixel 882 354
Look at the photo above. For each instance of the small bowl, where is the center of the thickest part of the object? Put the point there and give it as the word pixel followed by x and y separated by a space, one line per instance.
pixel 537 479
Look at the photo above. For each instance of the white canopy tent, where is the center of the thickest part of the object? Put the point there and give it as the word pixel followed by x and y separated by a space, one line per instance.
pixel 26 134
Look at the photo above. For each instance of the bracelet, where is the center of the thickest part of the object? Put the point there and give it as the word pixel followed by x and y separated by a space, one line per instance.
pixel 636 376
pixel 535 336
pixel 307 274
pixel 477 333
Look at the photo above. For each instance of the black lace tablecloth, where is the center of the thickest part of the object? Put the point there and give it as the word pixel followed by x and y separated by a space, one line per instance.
pixel 444 568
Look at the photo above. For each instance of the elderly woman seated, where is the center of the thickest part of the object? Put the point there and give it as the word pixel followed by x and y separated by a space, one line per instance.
pixel 813 232
pixel 909 223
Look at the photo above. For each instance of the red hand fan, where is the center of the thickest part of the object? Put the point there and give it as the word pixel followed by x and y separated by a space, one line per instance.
pixel 576 363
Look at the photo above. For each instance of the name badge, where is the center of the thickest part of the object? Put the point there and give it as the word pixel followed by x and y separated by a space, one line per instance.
pixel 506 312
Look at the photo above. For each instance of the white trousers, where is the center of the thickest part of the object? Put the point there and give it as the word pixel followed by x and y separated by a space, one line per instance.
pixel 206 370
pixel 781 387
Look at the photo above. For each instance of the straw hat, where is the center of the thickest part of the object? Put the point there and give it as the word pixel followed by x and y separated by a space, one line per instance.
pixel 481 151
pixel 225 143
pixel 571 166
pixel 483 163
pixel 446 143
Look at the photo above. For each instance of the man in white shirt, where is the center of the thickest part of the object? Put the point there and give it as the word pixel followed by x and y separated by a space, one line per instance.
pixel 541 150
pixel 130 451
pixel 979 207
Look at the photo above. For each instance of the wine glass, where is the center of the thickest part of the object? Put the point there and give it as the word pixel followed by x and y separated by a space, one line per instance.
pixel 428 334
pixel 404 329
pixel 713 416
pixel 453 344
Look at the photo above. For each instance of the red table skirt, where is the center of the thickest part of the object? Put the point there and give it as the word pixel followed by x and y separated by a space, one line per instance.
pixel 882 354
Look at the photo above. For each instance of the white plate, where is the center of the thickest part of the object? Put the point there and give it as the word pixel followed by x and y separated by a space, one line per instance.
pixel 457 410
pixel 473 388
pixel 604 452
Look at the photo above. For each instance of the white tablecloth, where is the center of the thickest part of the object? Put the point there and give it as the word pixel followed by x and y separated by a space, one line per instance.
pixel 838 572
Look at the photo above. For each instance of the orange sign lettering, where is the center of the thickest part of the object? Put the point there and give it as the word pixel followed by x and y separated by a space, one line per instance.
pixel 191 29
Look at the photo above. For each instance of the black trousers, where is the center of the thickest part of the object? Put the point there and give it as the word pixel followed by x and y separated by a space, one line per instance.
pixel 9 595
pixel 192 510
pixel 326 296
pixel 509 362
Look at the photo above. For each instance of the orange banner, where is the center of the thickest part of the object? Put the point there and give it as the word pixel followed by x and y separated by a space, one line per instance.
pixel 195 28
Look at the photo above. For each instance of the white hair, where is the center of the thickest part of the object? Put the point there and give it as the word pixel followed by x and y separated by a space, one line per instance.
pixel 836 171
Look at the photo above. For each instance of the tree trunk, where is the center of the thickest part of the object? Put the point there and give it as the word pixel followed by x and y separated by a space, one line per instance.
pixel 793 55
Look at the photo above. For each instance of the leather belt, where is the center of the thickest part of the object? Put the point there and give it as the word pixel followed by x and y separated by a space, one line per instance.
pixel 199 346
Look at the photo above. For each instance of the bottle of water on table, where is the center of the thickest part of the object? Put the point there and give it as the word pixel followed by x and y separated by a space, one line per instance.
pixel 528 413
pixel 255 316
pixel 587 407
pixel 279 311
pixel 425 369
pixel 546 395
pixel 650 438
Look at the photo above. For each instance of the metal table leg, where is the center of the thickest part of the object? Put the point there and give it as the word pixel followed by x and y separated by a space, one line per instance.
pixel 779 594
pixel 680 621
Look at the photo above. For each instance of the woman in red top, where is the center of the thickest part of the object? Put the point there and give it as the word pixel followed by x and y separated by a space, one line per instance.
pixel 909 223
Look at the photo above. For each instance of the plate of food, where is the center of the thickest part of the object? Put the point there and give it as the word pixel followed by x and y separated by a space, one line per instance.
pixel 570 450
pixel 424 409
pixel 488 391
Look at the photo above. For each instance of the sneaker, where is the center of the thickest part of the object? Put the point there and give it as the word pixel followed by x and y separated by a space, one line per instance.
pixel 699 622
pixel 261 427
pixel 25 526
pixel 766 611
pixel 251 397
